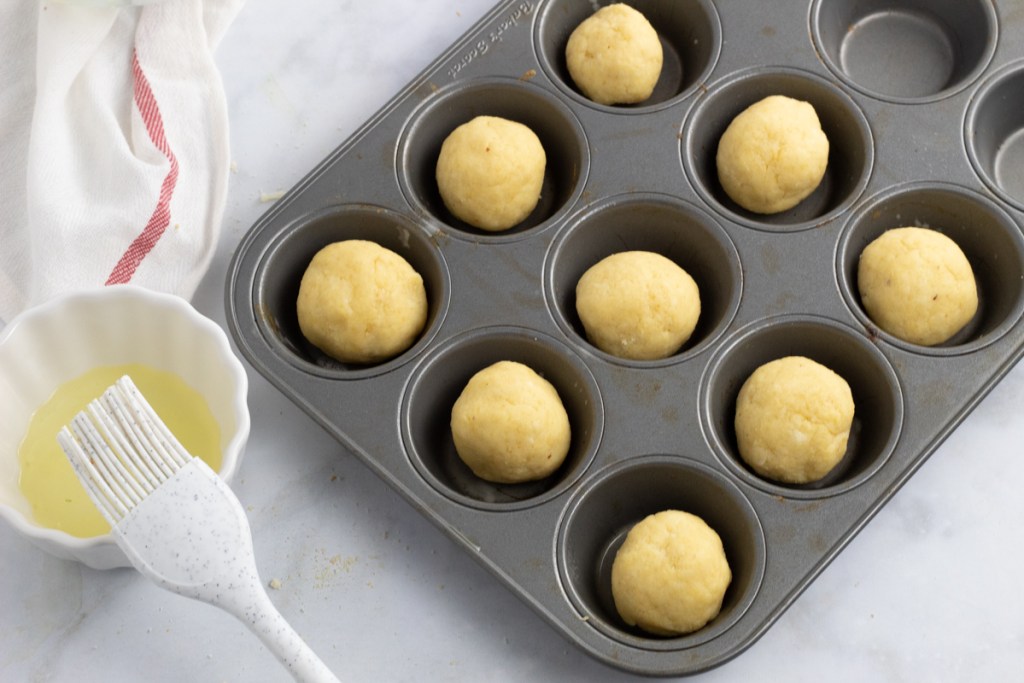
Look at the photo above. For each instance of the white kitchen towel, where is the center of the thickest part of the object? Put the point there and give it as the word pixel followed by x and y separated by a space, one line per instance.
pixel 114 149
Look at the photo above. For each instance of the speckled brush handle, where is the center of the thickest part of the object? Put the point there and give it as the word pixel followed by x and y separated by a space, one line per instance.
pixel 250 603
pixel 205 552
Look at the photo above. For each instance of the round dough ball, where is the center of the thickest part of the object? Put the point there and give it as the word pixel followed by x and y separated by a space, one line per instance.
pixel 670 575
pixel 490 172
pixel 638 305
pixel 773 155
pixel 614 56
pixel 793 419
pixel 916 284
pixel 509 424
pixel 361 303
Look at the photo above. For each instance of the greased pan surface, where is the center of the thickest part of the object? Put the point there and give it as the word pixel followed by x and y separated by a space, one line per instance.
pixel 922 105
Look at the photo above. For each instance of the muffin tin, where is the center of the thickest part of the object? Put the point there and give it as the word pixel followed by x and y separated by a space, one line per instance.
pixel 922 104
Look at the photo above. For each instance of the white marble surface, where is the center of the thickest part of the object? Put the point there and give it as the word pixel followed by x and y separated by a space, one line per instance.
pixel 930 590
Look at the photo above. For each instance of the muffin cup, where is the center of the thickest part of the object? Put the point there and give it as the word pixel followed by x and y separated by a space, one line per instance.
pixel 677 230
pixel 988 236
pixel 851 145
pixel 877 397
pixel 560 133
pixel 910 51
pixel 281 270
pixel 689 31
pixel 994 133
pixel 608 504
pixel 440 379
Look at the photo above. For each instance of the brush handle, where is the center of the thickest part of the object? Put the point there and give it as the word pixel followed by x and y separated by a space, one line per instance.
pixel 205 552
pixel 250 604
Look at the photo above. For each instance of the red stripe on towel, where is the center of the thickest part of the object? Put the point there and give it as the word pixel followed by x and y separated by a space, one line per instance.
pixel 161 218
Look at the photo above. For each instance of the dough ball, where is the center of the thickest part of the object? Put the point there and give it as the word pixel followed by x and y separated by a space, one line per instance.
pixel 614 56
pixel 361 303
pixel 793 419
pixel 670 575
pixel 490 172
pixel 773 155
pixel 916 284
pixel 637 305
pixel 509 424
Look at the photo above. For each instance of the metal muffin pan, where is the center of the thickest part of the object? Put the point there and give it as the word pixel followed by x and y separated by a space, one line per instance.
pixel 922 104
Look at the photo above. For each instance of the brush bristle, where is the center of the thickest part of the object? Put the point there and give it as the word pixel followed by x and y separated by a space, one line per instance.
pixel 120 449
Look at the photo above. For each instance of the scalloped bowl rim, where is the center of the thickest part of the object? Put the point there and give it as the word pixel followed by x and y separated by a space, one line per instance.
pixel 102 552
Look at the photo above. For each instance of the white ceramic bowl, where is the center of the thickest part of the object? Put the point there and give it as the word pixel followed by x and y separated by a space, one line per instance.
pixel 47 345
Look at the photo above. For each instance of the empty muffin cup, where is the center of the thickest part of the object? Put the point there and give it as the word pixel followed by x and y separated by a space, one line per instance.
pixel 877 396
pixel 439 380
pixel 988 236
pixel 994 133
pixel 279 273
pixel 559 132
pixel 608 504
pixel 851 146
pixel 905 50
pixel 689 31
pixel 665 225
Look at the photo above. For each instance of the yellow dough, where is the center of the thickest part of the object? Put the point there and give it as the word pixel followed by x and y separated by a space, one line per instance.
pixel 509 424
pixel 773 155
pixel 614 56
pixel 361 303
pixel 638 305
pixel 916 284
pixel 793 419
pixel 670 575
pixel 490 172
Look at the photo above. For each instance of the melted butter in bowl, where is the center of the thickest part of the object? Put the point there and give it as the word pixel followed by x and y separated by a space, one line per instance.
pixel 47 350
pixel 46 478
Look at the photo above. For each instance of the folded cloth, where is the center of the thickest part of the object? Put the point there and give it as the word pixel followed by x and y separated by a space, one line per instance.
pixel 114 150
